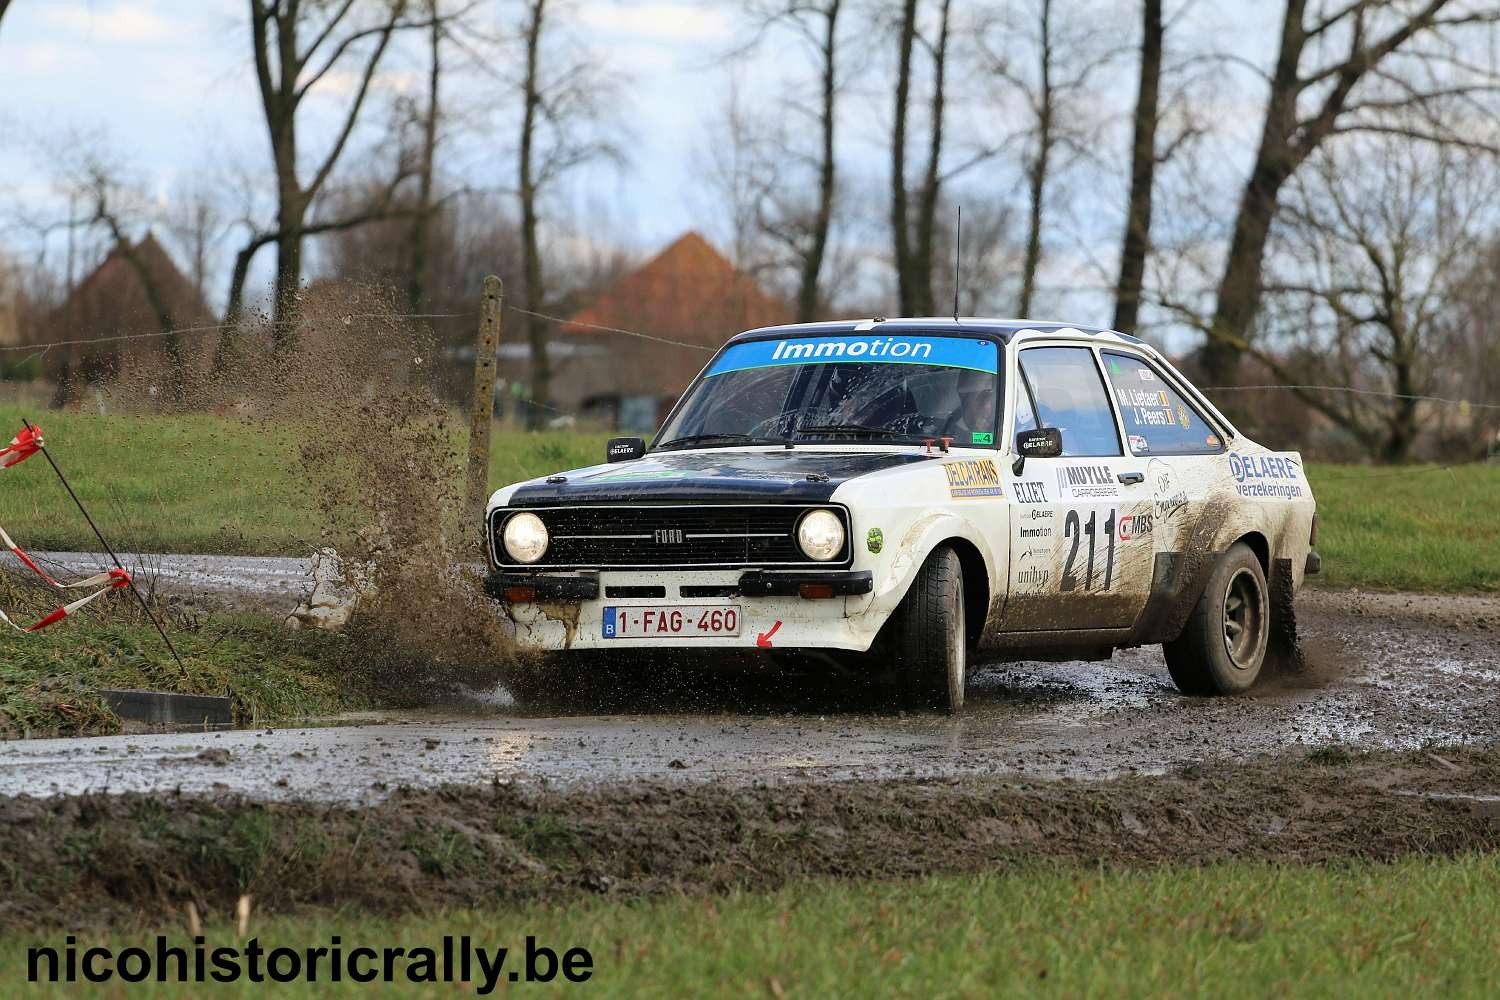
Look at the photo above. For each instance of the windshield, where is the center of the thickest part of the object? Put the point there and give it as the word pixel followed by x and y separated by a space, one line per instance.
pixel 848 388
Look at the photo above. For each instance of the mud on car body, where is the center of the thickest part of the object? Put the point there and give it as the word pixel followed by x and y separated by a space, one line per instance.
pixel 909 494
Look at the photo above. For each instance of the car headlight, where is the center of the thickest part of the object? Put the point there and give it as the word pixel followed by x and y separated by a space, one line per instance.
pixel 525 537
pixel 820 533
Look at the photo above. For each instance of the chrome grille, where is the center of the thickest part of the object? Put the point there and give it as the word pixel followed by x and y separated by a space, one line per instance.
pixel 647 536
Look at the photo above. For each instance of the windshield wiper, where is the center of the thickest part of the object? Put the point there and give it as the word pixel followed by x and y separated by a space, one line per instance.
pixel 848 429
pixel 707 438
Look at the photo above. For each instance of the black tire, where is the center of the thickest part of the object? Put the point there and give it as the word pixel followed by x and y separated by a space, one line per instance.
pixel 928 644
pixel 1222 649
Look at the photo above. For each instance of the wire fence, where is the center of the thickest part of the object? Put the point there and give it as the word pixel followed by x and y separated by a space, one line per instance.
pixel 41 349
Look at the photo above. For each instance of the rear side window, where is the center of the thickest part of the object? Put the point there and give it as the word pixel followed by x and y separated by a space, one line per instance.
pixel 1067 393
pixel 1158 421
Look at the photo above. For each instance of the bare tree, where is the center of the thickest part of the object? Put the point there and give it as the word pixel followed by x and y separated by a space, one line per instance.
pixel 1137 239
pixel 1369 249
pixel 915 234
pixel 805 231
pixel 1338 69
pixel 297 44
pixel 900 217
pixel 1048 57
pixel 562 97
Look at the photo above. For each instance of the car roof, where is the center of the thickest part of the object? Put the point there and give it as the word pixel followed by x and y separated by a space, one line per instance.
pixel 1001 330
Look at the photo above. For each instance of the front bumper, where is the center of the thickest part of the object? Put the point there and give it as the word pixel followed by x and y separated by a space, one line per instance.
pixel 557 611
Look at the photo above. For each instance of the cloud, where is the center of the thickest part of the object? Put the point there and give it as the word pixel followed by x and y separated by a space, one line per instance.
pixel 664 23
pixel 117 23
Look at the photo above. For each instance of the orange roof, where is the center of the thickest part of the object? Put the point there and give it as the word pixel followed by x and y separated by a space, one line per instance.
pixel 688 292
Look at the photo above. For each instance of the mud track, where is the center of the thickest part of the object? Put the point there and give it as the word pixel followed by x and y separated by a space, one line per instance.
pixel 1385 672
pixel 138 859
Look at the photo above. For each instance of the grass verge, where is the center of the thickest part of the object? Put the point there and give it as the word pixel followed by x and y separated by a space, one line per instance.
pixel 1427 528
pixel 1424 926
pixel 202 483
pixel 49 687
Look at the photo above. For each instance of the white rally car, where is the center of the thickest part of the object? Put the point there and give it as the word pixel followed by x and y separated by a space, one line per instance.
pixel 912 494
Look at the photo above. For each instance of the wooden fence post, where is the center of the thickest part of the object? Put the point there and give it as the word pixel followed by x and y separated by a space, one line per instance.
pixel 482 412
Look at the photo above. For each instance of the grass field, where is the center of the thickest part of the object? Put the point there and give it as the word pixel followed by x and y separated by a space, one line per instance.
pixel 211 484
pixel 1425 927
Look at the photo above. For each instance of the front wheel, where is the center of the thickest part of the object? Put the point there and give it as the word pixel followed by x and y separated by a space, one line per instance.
pixel 928 630
pixel 1223 646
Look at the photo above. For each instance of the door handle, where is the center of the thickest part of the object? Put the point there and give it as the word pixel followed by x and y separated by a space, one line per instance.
pixel 1131 478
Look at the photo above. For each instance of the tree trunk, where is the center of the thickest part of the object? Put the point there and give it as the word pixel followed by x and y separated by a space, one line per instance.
pixel 899 229
pixel 536 327
pixel 1136 244
pixel 1036 181
pixel 808 298
pixel 923 303
pixel 1240 288
pixel 288 280
pixel 416 288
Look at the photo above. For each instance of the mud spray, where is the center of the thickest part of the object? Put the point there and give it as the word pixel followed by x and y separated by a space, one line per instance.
pixel 349 404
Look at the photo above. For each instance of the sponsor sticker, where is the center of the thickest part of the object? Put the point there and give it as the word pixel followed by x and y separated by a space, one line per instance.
pixel 1147 375
pixel 1087 481
pixel 973 477
pixel 1167 498
pixel 1135 526
pixel 874 540
pixel 1212 440
pixel 1139 445
pixel 1273 476
pixel 949 352
pixel 982 437
pixel 1031 491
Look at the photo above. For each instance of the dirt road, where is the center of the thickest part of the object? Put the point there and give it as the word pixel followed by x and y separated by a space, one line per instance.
pixel 1386 671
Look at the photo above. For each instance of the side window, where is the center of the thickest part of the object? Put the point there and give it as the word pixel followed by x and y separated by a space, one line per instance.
pixel 1025 413
pixel 1071 397
pixel 1158 421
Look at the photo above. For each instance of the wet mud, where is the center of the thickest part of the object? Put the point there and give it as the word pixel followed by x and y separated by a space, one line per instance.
pixel 1383 672
pixel 140 859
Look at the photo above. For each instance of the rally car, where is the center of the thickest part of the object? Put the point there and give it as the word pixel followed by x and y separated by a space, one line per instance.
pixel 910 495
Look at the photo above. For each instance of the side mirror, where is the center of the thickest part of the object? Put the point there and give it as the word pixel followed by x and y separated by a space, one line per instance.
pixel 1044 442
pixel 624 449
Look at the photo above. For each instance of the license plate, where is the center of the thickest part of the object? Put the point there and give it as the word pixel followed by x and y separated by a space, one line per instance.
pixel 645 622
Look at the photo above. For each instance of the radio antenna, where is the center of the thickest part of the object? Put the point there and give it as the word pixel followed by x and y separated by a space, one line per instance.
pixel 958 248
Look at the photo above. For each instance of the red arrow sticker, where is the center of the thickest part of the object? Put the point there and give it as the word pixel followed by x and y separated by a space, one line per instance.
pixel 763 639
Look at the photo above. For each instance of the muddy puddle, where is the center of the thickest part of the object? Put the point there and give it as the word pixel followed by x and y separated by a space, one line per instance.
pixel 1385 672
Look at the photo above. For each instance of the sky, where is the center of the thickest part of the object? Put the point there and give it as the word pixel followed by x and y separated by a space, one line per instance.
pixel 168 87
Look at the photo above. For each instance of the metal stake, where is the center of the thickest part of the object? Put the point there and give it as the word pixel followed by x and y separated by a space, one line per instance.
pixel 100 535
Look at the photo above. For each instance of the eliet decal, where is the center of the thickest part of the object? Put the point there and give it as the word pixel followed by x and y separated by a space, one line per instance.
pixel 973 477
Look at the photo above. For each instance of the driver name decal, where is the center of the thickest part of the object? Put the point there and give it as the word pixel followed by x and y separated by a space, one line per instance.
pixel 973 477
pixel 946 352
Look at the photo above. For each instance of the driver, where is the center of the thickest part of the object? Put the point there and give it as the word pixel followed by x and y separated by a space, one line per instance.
pixel 976 407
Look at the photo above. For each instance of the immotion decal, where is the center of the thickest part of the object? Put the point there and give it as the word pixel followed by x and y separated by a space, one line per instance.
pixel 948 352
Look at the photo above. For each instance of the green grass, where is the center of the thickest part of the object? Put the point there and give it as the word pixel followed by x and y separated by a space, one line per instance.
pixel 203 483
pixel 48 682
pixel 1423 926
pixel 1423 528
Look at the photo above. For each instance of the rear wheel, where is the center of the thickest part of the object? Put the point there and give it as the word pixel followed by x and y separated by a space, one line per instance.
pixel 1223 646
pixel 928 636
